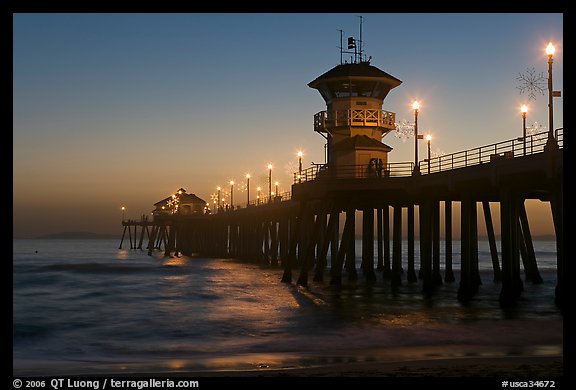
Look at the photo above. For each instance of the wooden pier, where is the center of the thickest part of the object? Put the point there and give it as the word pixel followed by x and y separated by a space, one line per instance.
pixel 297 233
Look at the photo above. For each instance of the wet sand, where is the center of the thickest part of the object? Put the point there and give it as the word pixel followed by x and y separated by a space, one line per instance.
pixel 539 362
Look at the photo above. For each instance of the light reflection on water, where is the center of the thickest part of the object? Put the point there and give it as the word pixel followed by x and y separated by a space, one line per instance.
pixel 96 303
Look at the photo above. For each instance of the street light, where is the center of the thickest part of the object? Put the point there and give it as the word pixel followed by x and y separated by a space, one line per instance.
pixel 300 154
pixel 258 195
pixel 416 107
pixel 123 209
pixel 524 110
pixel 218 188
pixel 276 188
pixel 428 139
pixel 247 189
pixel 269 182
pixel 232 194
pixel 551 142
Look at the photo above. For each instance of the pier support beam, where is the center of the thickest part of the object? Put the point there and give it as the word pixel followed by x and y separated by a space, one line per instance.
pixel 308 260
pixel 322 255
pixel 284 236
pixel 274 243
pixel 322 237
pixel 467 287
pixel 411 275
pixel 367 264
pixel 475 269
pixel 335 239
pixel 294 237
pixel 380 264
pixel 436 276
pixel 347 240
pixel 152 239
pixel 386 270
pixel 492 241
pixel 527 248
pixel 396 276
pixel 557 206
pixel 122 239
pixel 171 242
pixel 449 273
pixel 512 285
pixel 351 247
pixel 425 211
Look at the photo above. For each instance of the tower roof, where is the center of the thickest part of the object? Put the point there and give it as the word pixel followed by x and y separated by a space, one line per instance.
pixel 356 79
pixel 362 70
pixel 361 142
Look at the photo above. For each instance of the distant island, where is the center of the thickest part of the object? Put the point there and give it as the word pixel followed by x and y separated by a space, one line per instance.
pixel 78 235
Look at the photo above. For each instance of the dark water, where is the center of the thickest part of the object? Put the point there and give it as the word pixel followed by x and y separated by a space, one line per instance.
pixel 83 306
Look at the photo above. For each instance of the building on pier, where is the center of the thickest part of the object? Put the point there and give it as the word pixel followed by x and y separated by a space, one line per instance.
pixel 179 202
pixel 354 123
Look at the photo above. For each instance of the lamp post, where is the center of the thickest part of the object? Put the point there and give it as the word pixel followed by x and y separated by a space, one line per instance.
pixel 219 197
pixel 269 182
pixel 232 194
pixel 258 195
pixel 300 154
pixel 524 110
pixel 123 209
pixel 416 107
pixel 428 139
pixel 247 189
pixel 276 188
pixel 551 142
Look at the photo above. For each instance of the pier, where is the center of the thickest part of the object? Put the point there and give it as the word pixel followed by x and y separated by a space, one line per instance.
pixel 297 234
pixel 302 233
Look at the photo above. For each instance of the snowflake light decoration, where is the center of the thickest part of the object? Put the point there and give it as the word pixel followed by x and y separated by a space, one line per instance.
pixel 436 152
pixel 531 83
pixel 404 130
pixel 537 131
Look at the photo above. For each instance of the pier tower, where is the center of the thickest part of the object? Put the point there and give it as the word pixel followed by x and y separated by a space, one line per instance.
pixel 354 123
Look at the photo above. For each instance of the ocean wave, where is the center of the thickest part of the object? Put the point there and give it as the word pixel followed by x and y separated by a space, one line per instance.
pixel 98 268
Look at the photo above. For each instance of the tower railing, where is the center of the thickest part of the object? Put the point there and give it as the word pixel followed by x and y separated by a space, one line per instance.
pixel 358 117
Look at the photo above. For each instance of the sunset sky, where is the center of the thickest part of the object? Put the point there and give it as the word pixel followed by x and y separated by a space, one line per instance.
pixel 113 110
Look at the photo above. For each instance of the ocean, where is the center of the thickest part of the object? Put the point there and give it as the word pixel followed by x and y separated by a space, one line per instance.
pixel 84 307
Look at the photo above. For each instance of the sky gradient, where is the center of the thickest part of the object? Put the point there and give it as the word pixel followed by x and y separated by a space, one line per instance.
pixel 113 110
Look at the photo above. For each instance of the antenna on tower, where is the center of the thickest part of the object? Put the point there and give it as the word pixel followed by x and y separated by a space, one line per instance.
pixel 360 49
pixel 341 49
pixel 355 44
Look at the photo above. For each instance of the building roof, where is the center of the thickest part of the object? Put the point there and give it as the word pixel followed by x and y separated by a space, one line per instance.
pixel 355 70
pixel 361 142
pixel 184 199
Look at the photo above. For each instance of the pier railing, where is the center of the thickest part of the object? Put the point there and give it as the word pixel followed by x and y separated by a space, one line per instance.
pixel 516 147
pixel 361 171
pixel 262 201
